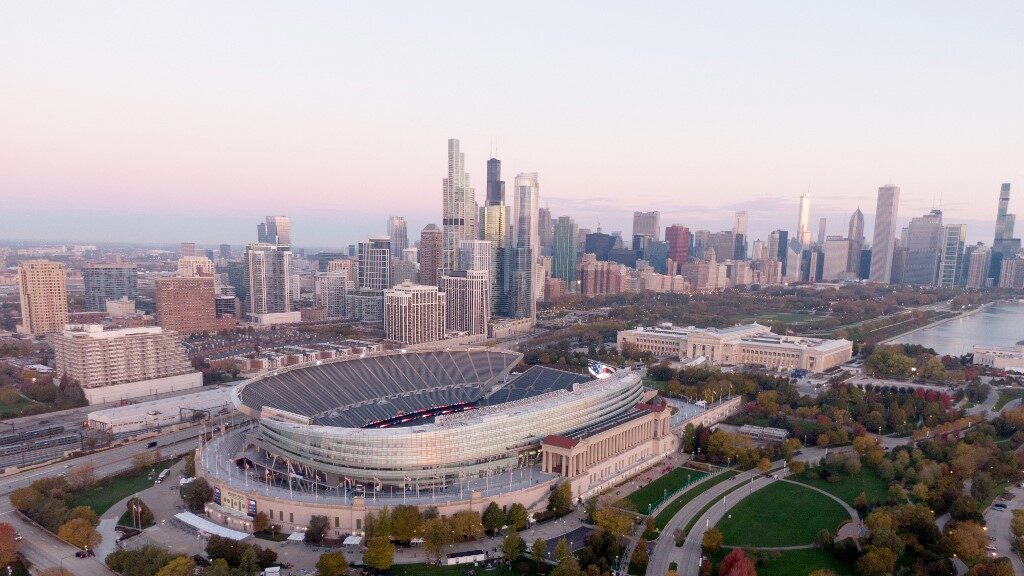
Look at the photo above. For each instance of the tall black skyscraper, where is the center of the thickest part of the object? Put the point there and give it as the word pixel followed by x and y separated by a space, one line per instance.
pixel 495 185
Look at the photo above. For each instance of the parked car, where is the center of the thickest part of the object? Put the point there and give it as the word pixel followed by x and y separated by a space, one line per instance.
pixel 1000 506
pixel 84 553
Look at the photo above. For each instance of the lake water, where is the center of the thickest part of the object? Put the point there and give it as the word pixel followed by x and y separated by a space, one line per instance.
pixel 1001 324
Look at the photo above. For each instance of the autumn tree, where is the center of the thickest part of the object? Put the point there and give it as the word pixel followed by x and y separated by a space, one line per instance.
pixel 405 522
pixel 560 500
pixel 79 532
pixel 466 525
pixel 196 494
pixel 85 513
pixel 967 540
pixel 539 550
pixel 712 541
pixel 562 550
pixel 8 545
pixel 493 518
pixel 876 562
pixel 518 517
pixel 332 564
pixel 437 537
pixel 82 476
pixel 260 522
pixel 618 522
pixel 513 546
pixel 380 553
pixel 180 566
pixel 317 529
pixel 737 563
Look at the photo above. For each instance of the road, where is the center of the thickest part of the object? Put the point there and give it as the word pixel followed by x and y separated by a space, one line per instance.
pixel 998 525
pixel 665 550
pixel 43 549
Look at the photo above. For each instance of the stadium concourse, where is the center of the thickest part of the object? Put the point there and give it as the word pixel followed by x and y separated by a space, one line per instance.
pixel 454 428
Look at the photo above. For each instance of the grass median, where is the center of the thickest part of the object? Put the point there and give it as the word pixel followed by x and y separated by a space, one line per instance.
pixel 671 481
pixel 693 521
pixel 663 517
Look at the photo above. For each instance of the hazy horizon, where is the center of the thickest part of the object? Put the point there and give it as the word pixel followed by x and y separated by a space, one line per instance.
pixel 162 123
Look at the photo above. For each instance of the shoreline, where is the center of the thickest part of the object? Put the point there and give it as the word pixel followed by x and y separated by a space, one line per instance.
pixel 938 322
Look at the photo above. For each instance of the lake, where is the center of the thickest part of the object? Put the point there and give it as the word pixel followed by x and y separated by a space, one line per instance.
pixel 1001 324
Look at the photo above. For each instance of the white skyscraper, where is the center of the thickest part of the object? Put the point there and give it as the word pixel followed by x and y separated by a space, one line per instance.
pixel 458 208
pixel 884 241
pixel 414 314
pixel 399 235
pixel 803 228
pixel 467 301
pixel 525 247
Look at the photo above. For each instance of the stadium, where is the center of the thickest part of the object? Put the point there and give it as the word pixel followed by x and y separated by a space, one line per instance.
pixel 452 429
pixel 421 419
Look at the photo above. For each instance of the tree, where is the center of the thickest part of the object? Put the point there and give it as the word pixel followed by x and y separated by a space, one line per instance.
pixel 638 561
pixel 8 545
pixel 85 513
pixel 189 469
pixel 380 553
pixel 405 522
pixel 317 529
pixel 618 522
pixel 145 561
pixel 332 564
pixel 466 525
pixel 888 538
pixel 539 550
pixel 196 494
pixel 982 486
pixel 219 567
pixel 562 550
pixel 876 562
pixel 824 539
pixel 79 532
pixel 437 537
pixel 737 563
pixel 967 540
pixel 567 566
pixel 180 566
pixel 493 518
pixel 712 541
pixel 560 500
pixel 764 465
pixel 249 563
pixel 24 498
pixel 260 522
pixel 518 517
pixel 82 476
pixel 139 512
pixel 513 546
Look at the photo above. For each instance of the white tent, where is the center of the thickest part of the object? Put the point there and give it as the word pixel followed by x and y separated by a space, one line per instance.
pixel 296 537
pixel 204 525
pixel 352 541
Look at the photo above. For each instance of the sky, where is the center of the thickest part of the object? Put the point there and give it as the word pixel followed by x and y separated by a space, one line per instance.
pixel 191 121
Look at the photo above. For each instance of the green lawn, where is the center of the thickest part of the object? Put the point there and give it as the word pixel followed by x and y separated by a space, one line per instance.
pixel 781 514
pixel 1007 396
pixel 689 525
pixel 655 491
pixel 666 514
pixel 797 563
pixel 110 491
pixel 867 481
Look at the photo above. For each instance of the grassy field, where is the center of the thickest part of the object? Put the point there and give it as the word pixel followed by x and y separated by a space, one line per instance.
pixel 1007 396
pixel 797 563
pixel 663 517
pixel 874 487
pixel 689 525
pixel 110 491
pixel 781 514
pixel 674 480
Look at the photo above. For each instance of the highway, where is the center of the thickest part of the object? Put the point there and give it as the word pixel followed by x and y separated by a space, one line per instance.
pixel 44 550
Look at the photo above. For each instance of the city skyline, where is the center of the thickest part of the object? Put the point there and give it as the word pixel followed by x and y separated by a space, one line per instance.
pixel 853 98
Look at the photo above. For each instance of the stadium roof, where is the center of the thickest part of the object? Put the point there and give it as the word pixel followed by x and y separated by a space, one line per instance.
pixel 535 381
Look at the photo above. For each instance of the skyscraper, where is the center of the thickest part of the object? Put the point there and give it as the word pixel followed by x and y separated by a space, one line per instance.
pixel 430 254
pixel 375 264
pixel 678 238
pixel 856 237
pixel 563 253
pixel 545 229
pixel 822 226
pixel 276 230
pixel 331 289
pixel 922 246
pixel 104 282
pixel 42 288
pixel 803 228
pixel 413 313
pixel 458 207
pixel 647 224
pixel 398 234
pixel 494 228
pixel 269 275
pixel 467 296
pixel 495 185
pixel 739 232
pixel 884 239
pixel 954 236
pixel 1004 222
pixel 526 241
pixel 978 266
pixel 187 304
pixel 475 255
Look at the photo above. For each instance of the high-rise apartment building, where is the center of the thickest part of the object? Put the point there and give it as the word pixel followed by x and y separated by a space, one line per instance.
pixel 458 207
pixel 467 301
pixel 647 224
pixel 563 252
pixel 598 277
pixel 398 234
pixel 1011 273
pixel 922 245
pixel 104 282
pixel 495 185
pixel 195 266
pixel 114 365
pixel 856 237
pixel 884 238
pixel 545 229
pixel 42 287
pixel 238 278
pixel 188 305
pixel 430 254
pixel 413 313
pixel 269 276
pixel 678 238
pixel 188 249
pixel 330 290
pixel 525 248
pixel 476 255
pixel 954 237
pixel 803 227
pixel 375 264
pixel 276 230
pixel 978 266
